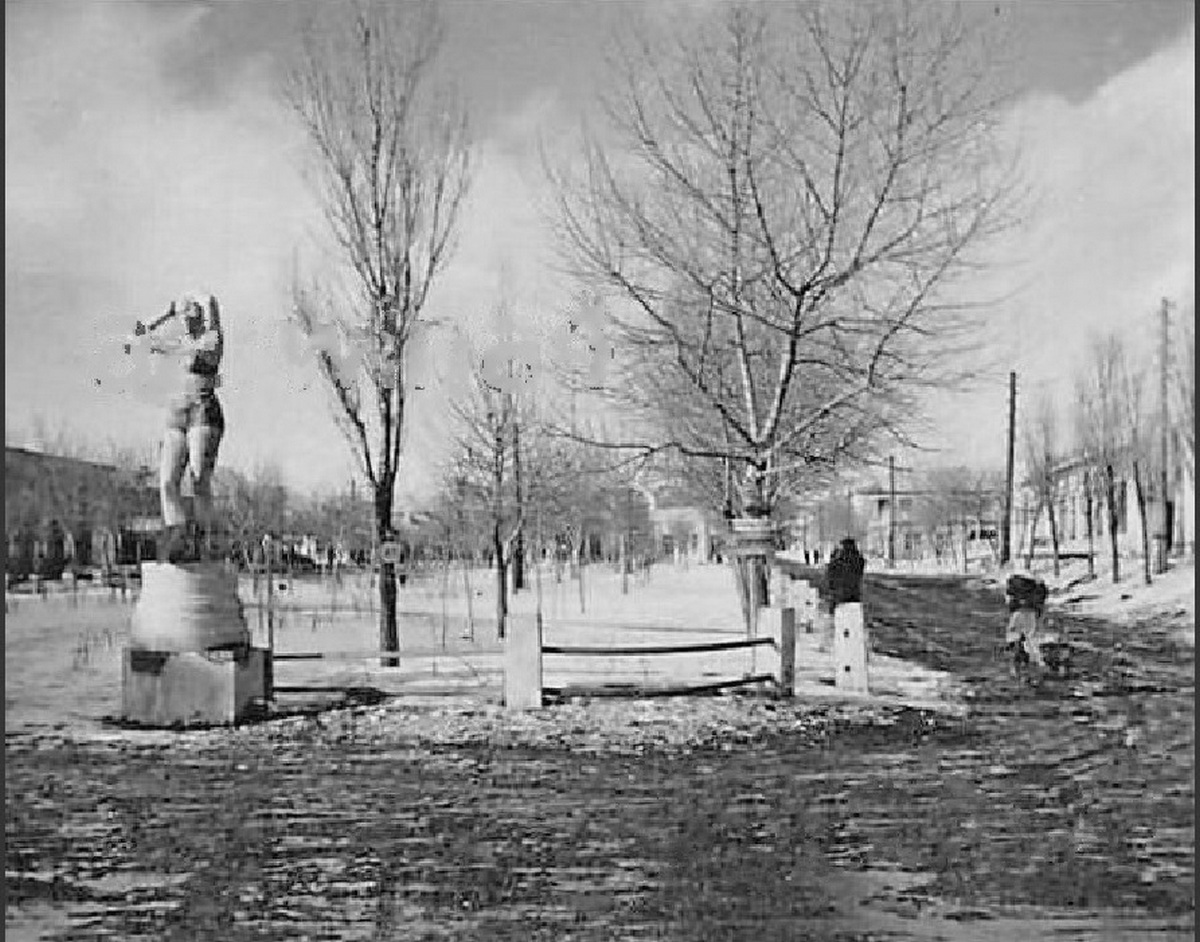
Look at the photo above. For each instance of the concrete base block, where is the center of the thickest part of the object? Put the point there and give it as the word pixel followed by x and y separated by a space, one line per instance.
pixel 850 648
pixel 523 664
pixel 169 688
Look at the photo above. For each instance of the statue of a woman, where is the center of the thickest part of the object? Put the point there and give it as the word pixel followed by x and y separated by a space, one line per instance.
pixel 190 332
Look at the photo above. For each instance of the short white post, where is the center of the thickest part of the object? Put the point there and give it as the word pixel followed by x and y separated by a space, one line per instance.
pixel 850 648
pixel 780 619
pixel 523 663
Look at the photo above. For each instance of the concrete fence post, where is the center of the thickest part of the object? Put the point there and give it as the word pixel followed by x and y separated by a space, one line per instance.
pixel 850 648
pixel 777 621
pixel 523 663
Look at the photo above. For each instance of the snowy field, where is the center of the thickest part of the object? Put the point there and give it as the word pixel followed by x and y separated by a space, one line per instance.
pixel 63 651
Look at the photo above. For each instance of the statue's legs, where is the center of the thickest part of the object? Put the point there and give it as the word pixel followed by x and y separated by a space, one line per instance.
pixel 206 427
pixel 203 444
pixel 173 461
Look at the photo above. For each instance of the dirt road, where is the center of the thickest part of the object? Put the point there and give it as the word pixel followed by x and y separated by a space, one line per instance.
pixel 1062 812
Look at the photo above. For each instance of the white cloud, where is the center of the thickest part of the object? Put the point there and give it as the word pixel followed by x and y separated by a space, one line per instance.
pixel 120 194
pixel 1113 232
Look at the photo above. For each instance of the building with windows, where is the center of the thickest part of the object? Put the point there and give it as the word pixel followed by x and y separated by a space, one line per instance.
pixel 908 524
pixel 61 511
pixel 1077 487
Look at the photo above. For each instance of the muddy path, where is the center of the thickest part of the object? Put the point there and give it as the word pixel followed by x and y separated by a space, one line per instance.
pixel 1073 798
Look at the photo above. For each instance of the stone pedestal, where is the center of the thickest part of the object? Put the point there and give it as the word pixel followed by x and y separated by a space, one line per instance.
pixel 850 648
pixel 188 607
pixel 189 688
pixel 189 659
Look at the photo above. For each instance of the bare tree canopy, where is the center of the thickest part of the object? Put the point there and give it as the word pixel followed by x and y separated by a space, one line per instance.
pixel 1101 422
pixel 780 221
pixel 390 165
pixel 1184 382
pixel 1043 455
pixel 391 162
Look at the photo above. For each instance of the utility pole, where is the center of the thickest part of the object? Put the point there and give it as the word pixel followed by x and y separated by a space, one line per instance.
pixel 1006 523
pixel 892 511
pixel 1164 536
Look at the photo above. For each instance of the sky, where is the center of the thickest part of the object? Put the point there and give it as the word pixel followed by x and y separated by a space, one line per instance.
pixel 147 154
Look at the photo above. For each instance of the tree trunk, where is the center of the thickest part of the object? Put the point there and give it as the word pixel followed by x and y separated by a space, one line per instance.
pixel 966 562
pixel 1037 513
pixel 389 628
pixel 756 576
pixel 518 554
pixel 741 581
pixel 1053 532
pixel 1089 510
pixel 582 591
pixel 624 564
pixel 518 563
pixel 501 581
pixel 445 593
pixel 1110 485
pixel 1140 493
pixel 466 572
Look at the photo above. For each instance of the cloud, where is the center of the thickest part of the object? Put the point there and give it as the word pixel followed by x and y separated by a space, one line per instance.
pixel 1112 232
pixel 1116 184
pixel 123 189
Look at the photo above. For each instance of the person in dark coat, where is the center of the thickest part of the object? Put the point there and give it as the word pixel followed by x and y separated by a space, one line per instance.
pixel 844 573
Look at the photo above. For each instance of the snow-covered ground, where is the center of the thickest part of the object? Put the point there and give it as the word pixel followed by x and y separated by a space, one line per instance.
pixel 1169 602
pixel 63 652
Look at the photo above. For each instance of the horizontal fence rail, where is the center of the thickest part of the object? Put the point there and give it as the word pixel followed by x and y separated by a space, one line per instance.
pixel 368 655
pixel 443 691
pixel 638 650
pixel 681 690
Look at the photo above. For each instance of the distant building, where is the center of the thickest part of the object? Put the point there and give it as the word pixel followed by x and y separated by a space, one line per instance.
pixel 925 525
pixel 682 528
pixel 1072 479
pixel 651 520
pixel 61 511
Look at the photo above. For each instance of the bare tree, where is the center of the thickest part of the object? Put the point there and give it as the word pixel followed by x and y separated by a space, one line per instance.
pixel 489 421
pixel 391 169
pixel 1043 452
pixel 1184 382
pixel 1099 424
pixel 1135 415
pixel 781 226
pixel 250 505
pixel 953 500
pixel 806 187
